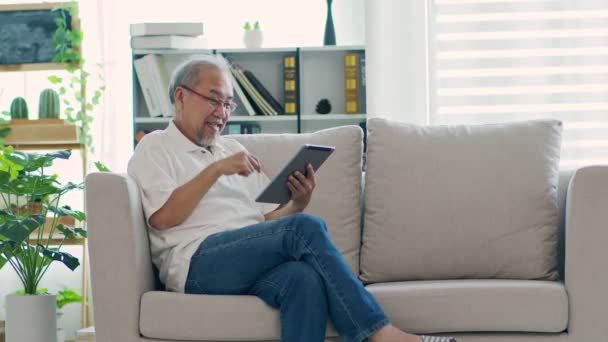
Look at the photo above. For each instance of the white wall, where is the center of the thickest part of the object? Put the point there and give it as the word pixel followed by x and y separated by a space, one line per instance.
pixel 396 59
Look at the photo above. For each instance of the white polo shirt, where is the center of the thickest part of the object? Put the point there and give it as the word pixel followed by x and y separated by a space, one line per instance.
pixel 163 161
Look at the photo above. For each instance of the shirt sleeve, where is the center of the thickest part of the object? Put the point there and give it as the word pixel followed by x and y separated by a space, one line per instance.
pixel 154 173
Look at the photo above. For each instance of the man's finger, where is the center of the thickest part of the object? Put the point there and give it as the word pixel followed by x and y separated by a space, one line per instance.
pixel 255 162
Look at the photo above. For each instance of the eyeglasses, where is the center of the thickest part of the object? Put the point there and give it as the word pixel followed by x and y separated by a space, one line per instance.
pixel 228 106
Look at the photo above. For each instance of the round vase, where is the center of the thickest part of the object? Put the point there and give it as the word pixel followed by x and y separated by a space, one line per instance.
pixel 31 318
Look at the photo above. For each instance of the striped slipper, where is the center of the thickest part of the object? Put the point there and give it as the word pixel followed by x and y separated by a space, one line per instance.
pixel 425 338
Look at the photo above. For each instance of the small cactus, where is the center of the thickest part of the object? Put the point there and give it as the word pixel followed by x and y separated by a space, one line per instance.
pixel 256 26
pixel 19 108
pixel 247 26
pixel 48 106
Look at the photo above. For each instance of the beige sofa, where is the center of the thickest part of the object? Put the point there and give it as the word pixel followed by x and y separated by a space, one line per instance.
pixel 128 305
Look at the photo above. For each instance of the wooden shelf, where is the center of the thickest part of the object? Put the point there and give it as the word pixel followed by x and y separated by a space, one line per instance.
pixel 42 134
pixel 33 67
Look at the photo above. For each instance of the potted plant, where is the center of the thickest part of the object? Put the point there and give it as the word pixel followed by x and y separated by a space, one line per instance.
pixel 30 242
pixel 63 297
pixel 253 38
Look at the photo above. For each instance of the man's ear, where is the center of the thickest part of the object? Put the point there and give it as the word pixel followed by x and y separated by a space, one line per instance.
pixel 178 96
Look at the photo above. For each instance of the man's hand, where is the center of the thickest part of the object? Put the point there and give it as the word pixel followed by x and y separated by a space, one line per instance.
pixel 241 163
pixel 301 187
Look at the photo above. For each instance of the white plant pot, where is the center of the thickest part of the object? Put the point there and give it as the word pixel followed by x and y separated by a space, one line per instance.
pixel 31 318
pixel 253 39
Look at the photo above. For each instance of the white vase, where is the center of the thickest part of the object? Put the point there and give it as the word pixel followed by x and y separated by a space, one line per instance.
pixel 31 318
pixel 253 38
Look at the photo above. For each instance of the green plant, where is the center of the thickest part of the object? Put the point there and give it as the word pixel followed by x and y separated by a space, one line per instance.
pixel 19 108
pixel 247 26
pixel 78 106
pixel 67 296
pixel 256 26
pixel 48 104
pixel 67 39
pixel 24 243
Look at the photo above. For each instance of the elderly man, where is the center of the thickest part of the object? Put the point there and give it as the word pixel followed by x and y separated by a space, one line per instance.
pixel 209 236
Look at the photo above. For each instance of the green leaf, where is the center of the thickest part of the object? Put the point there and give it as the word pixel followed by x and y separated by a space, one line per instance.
pixel 83 233
pixel 67 231
pixel 67 211
pixel 19 230
pixel 67 296
pixel 63 154
pixel 55 79
pixel 67 259
pixel 62 91
pixel 4 132
pixel 3 260
pixel 101 167
pixel 89 106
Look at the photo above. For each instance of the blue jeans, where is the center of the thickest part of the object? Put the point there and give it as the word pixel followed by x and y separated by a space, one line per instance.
pixel 293 266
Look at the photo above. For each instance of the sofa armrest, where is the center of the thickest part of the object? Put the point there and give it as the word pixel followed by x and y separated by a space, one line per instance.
pixel 121 269
pixel 586 264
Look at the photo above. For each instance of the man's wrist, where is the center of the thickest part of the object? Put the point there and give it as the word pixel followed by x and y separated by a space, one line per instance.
pixel 216 169
pixel 295 207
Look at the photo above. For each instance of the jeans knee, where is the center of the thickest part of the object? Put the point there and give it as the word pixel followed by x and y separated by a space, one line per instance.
pixel 307 223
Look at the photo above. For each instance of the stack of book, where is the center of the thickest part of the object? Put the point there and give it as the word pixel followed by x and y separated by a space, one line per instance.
pixel 178 35
pixel 255 98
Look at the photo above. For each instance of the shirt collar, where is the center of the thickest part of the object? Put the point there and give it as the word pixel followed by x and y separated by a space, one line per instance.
pixel 184 144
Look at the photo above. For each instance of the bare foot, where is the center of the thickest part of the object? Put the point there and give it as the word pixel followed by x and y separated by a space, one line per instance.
pixel 390 333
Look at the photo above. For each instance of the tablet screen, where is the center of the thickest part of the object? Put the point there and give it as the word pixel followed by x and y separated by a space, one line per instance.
pixel 277 191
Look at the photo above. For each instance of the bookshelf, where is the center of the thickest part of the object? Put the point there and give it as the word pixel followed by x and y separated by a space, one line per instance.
pixel 320 76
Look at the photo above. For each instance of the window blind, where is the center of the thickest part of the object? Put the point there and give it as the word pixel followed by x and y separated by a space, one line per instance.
pixel 498 60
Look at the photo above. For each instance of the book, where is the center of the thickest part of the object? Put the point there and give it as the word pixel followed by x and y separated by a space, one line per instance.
pixel 290 84
pixel 351 92
pixel 160 82
pixel 162 29
pixel 168 42
pixel 238 90
pixel 278 108
pixel 265 108
pixel 362 91
pixel 147 87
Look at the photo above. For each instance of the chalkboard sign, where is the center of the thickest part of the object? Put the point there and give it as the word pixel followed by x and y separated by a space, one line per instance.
pixel 26 32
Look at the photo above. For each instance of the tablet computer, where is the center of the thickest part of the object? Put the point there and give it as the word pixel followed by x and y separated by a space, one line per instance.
pixel 277 191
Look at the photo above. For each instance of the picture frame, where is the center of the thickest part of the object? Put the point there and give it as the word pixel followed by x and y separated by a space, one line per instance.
pixel 27 34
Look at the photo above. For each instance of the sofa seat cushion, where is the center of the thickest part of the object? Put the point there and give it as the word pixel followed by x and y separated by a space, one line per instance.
pixel 496 305
pixel 461 202
pixel 178 316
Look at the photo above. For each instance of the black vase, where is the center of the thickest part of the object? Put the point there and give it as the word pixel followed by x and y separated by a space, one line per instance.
pixel 330 33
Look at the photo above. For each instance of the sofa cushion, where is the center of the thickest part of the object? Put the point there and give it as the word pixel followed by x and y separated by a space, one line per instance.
pixel 451 202
pixel 496 305
pixel 178 316
pixel 337 197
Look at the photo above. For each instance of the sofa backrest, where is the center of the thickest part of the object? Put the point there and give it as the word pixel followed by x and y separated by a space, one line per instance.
pixel 461 201
pixel 336 198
